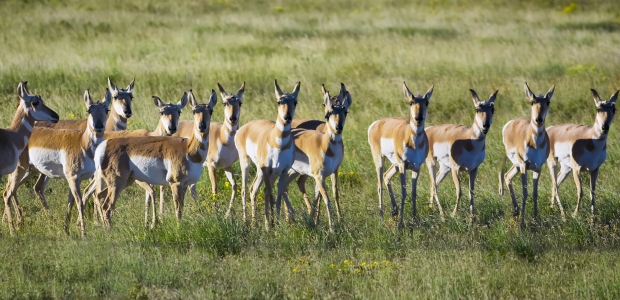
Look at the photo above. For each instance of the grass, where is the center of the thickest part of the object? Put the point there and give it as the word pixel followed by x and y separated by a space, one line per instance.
pixel 64 47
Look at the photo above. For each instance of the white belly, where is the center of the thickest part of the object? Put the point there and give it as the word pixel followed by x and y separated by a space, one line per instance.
pixel 228 155
pixel 279 159
pixel 48 162
pixel 193 174
pixel 387 150
pixel 441 151
pixel 149 170
pixel 562 152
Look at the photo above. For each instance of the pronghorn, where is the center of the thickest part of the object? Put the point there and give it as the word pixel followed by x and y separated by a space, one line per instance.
pixel 222 151
pixel 405 145
pixel 527 147
pixel 270 146
pixel 459 148
pixel 60 153
pixel 319 154
pixel 170 161
pixel 117 120
pixel 14 139
pixel 167 126
pixel 580 148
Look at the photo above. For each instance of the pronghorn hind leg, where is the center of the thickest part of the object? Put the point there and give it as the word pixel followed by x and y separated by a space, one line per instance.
pixel 334 179
pixel 577 178
pixel 245 169
pixel 403 189
pixel 254 189
pixel 283 183
pixel 149 203
pixel 593 177
pixel 75 197
pixel 387 179
pixel 553 171
pixel 444 170
pixel 212 178
pixel 535 178
pixel 431 165
pixel 379 169
pixel 510 174
pixel 564 172
pixel 233 185
pixel 457 185
pixel 301 185
pixel 10 195
pixel 414 195
pixel 524 187
pixel 472 183
pixel 320 180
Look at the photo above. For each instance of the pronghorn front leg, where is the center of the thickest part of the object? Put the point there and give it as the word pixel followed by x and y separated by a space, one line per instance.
pixel 593 177
pixel 10 195
pixel 523 170
pixel 379 170
pixel 564 171
pixel 320 180
pixel 535 177
pixel 472 182
pixel 254 189
pixel 283 182
pixel 553 171
pixel 334 178
pixel 414 195
pixel 457 186
pixel 268 195
pixel 387 179
pixel 301 185
pixel 149 202
pixel 75 196
pixel 245 169
pixel 233 185
pixel 178 197
pixel 403 188
pixel 434 190
pixel 443 172
pixel 577 179
pixel 508 180
pixel 432 171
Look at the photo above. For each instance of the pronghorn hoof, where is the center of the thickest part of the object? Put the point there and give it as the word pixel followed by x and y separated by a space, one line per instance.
pixel 515 212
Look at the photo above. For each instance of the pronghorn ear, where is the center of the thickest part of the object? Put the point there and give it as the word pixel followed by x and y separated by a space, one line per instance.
pixel 492 97
pixel 222 91
pixel 613 97
pixel 22 90
pixel 528 92
pixel 407 92
pixel 278 90
pixel 130 86
pixel 87 99
pixel 296 89
pixel 181 104
pixel 597 98
pixel 327 102
pixel 343 91
pixel 474 96
pixel 158 102
pixel 550 93
pixel 112 86
pixel 108 98
pixel 429 93
pixel 190 98
pixel 212 99
pixel 241 91
pixel 347 99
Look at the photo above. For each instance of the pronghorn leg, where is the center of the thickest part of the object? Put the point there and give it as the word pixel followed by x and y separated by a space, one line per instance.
pixel 114 192
pixel 403 189
pixel 472 182
pixel 301 185
pixel 317 203
pixel 162 196
pixel 593 177
pixel 10 193
pixel 233 185
pixel 268 195
pixel 75 195
pixel 508 180
pixel 577 178
pixel 39 190
pixel 149 202
pixel 334 178
pixel 320 180
pixel 444 170
pixel 245 169
pixel 254 189
pixel 553 171
pixel 535 177
pixel 387 179
pixel 379 169
pixel 564 171
pixel 414 194
pixel 431 165
pixel 211 169
pixel 283 183
pixel 88 192
pixel 178 196
pixel 16 179
pixel 524 187
pixel 193 192
pixel 457 185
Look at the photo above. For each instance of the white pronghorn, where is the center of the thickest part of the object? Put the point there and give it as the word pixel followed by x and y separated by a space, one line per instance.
pixel 580 148
pixel 167 126
pixel 405 145
pixel 60 153
pixel 222 151
pixel 14 139
pixel 319 154
pixel 172 161
pixel 117 120
pixel 459 148
pixel 527 147
pixel 270 146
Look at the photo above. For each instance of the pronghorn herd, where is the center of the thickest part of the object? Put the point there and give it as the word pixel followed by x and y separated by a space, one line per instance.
pixel 100 149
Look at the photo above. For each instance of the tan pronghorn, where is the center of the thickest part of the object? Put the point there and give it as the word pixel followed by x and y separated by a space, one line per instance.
pixel 580 148
pixel 14 139
pixel 167 126
pixel 60 153
pixel 527 146
pixel 172 161
pixel 269 145
pixel 222 151
pixel 459 148
pixel 117 120
pixel 319 154
pixel 405 145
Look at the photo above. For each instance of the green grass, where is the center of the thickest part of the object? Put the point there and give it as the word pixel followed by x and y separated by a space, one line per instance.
pixel 64 47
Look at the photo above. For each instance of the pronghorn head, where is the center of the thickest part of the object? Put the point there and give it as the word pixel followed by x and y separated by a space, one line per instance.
pixel 540 104
pixel 484 111
pixel 33 105
pixel 286 103
pixel 336 108
pixel 418 104
pixel 97 111
pixel 122 98
pixel 232 104
pixel 202 114
pixel 605 110
pixel 170 114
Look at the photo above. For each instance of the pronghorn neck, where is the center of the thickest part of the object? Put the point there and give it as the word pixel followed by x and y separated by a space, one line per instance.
pixel 160 130
pixel 597 130
pixel 22 124
pixel 333 137
pixel 229 129
pixel 416 132
pixel 116 122
pixel 537 132
pixel 476 130
pixel 282 132
pixel 197 146
pixel 90 139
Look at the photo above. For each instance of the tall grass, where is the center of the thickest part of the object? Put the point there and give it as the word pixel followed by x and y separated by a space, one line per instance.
pixel 64 47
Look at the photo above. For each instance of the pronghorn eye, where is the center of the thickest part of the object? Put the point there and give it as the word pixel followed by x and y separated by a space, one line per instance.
pixel 35 102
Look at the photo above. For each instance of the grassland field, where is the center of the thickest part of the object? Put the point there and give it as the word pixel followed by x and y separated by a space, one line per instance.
pixel 64 47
